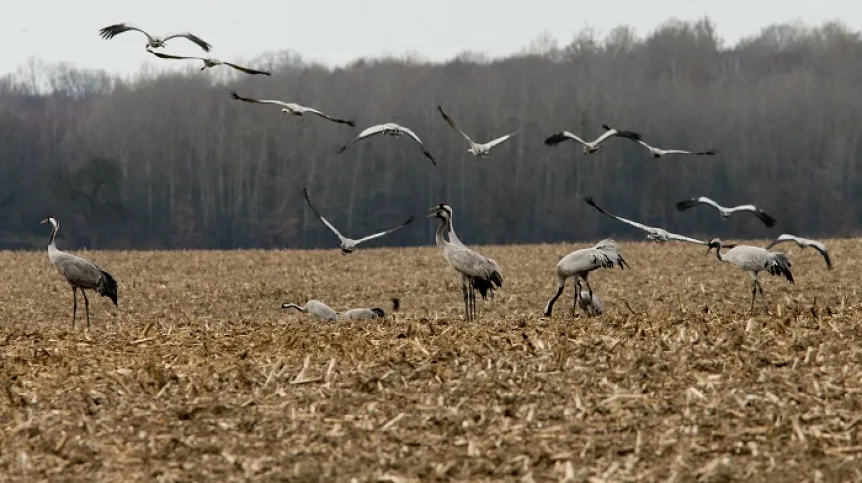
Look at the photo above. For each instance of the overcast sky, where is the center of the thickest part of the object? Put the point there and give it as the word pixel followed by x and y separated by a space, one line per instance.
pixel 338 31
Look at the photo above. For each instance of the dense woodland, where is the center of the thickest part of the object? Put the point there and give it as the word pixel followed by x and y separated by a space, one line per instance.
pixel 166 160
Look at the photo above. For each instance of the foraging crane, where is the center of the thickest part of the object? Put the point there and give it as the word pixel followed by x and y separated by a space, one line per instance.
pixel 81 274
pixel 484 287
pixel 390 129
pixel 111 31
pixel 476 149
pixel 211 62
pixel 753 260
pixel 803 242
pixel 292 108
pixel 348 245
pixel 469 264
pixel 591 147
pixel 590 304
pixel 657 152
pixel 580 263
pixel 726 212
pixel 657 235
pixel 315 308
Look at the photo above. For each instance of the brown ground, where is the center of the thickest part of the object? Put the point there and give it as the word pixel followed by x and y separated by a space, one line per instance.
pixel 194 376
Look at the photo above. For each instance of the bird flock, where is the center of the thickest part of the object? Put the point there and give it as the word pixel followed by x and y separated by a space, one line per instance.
pixel 475 271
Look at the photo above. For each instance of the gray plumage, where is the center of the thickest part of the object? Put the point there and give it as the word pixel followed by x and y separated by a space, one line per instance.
pixel 80 273
pixel 485 287
pixel 153 42
pixel 580 263
pixel 291 108
pixel 803 242
pixel 390 129
pixel 348 245
pixel 363 313
pixel 316 308
pixel 592 146
pixel 590 304
pixel 726 212
pixel 658 152
pixel 754 260
pixel 210 62
pixel 470 265
pixel 476 149
pixel 657 235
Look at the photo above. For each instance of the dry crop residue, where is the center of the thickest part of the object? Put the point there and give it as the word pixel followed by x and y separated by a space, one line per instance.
pixel 198 375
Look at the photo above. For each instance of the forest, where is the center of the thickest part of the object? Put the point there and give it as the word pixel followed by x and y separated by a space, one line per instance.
pixel 166 160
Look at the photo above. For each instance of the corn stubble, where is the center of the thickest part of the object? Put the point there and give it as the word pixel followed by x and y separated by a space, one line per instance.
pixel 200 375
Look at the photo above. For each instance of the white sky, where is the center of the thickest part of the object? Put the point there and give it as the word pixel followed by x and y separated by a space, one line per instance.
pixel 338 31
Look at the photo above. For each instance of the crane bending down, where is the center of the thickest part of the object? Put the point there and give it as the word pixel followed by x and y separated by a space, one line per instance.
pixel 390 129
pixel 348 245
pixel 322 311
pixel 477 149
pixel 593 146
pixel 657 235
pixel 315 308
pixel 80 273
pixel 580 263
pixel 590 304
pixel 470 265
pixel 753 260
pixel 292 108
pixel 211 62
pixel 485 287
pixel 803 242
pixel 726 212
pixel 153 42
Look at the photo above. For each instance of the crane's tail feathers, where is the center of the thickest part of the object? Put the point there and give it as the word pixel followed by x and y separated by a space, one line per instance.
pixel 781 266
pixel 686 204
pixel 765 218
pixel 108 287
pixel 622 262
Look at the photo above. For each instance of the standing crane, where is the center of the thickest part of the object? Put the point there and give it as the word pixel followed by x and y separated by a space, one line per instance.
pixel 580 263
pixel 81 274
pixel 469 264
pixel 485 287
pixel 753 260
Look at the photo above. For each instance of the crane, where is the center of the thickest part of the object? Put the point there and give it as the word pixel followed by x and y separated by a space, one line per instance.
pixel 580 263
pixel 753 260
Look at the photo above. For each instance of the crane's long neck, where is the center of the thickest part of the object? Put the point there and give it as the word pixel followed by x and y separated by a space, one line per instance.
pixel 718 252
pixel 451 229
pixel 444 224
pixel 294 306
pixel 52 240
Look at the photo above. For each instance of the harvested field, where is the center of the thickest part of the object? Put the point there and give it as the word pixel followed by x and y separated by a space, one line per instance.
pixel 199 375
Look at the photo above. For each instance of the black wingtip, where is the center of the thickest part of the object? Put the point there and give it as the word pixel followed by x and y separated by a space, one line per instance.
pixel 685 204
pixel 350 123
pixel 766 219
pixel 710 152
pixel 341 149
pixel 233 94
pixel 555 139
pixel 589 200
pixel 606 127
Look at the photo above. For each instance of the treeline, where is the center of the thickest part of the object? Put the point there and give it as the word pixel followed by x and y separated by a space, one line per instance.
pixel 167 160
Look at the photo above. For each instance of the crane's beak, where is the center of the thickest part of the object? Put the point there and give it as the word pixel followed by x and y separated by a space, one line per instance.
pixel 708 249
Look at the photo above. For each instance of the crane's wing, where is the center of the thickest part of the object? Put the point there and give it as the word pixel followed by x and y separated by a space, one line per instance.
pixel 330 118
pixel 589 200
pixel 248 70
pixel 234 95
pixel 760 214
pixel 378 235
pixel 112 31
pixel 561 136
pixel 784 237
pixel 502 139
pixel 700 200
pixel 317 214
pixel 418 141
pixel 192 37
pixel 644 144
pixel 710 152
pixel 162 55
pixel 823 251
pixel 452 124
pixel 368 132
pixel 609 132
pixel 674 236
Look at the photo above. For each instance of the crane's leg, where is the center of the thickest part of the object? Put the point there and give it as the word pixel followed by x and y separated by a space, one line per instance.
pixel 577 296
pixel 549 307
pixel 473 300
pixel 760 289
pixel 86 306
pixel 74 304
pixel 466 300
pixel 588 287
pixel 753 294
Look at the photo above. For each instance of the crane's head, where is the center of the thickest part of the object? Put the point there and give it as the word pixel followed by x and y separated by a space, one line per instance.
pixel 53 221
pixel 714 243
pixel 442 211
pixel 346 250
